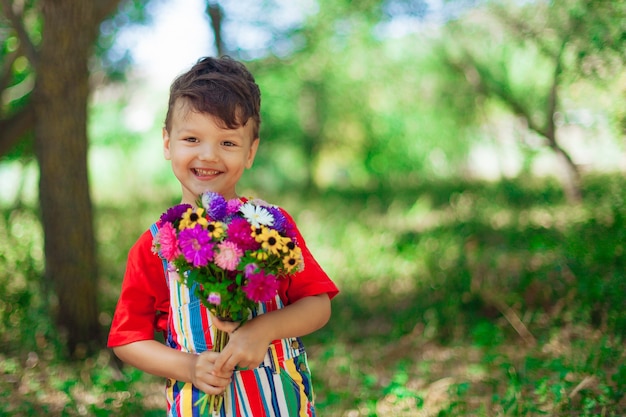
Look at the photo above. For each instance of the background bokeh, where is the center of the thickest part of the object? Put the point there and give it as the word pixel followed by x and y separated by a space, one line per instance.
pixel 457 167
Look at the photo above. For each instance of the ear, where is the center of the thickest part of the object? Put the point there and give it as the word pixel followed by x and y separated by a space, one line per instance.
pixel 254 146
pixel 166 144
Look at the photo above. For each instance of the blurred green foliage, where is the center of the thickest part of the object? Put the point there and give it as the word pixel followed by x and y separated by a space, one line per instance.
pixel 366 139
pixel 415 328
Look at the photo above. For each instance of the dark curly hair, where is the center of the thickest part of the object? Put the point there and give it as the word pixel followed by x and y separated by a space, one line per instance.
pixel 221 87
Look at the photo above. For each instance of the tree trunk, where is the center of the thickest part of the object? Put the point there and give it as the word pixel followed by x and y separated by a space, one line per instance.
pixel 216 15
pixel 572 184
pixel 309 115
pixel 60 99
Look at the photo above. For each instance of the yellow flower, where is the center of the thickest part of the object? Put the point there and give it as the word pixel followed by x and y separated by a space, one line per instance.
pixel 191 218
pixel 271 241
pixel 258 233
pixel 260 255
pixel 293 260
pixel 289 245
pixel 215 229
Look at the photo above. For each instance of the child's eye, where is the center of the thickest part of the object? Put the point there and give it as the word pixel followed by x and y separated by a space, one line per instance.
pixel 228 143
pixel 191 139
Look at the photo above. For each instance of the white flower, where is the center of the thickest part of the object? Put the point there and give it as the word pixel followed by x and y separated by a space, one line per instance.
pixel 256 215
pixel 206 200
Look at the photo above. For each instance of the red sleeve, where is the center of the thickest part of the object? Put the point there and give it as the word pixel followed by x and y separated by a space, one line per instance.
pixel 143 305
pixel 312 280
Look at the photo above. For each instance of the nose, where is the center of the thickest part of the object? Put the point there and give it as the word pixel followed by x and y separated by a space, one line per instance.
pixel 207 152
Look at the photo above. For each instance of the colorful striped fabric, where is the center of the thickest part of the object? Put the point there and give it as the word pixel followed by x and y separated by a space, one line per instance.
pixel 280 387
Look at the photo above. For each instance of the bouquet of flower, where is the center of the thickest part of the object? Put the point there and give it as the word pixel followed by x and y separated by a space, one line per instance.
pixel 234 254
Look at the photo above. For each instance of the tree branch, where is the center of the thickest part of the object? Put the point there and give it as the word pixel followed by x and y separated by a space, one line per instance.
pixel 488 85
pixel 25 41
pixel 15 127
pixel 520 26
pixel 553 97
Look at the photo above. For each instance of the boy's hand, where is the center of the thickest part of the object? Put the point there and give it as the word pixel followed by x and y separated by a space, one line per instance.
pixel 248 344
pixel 246 347
pixel 206 377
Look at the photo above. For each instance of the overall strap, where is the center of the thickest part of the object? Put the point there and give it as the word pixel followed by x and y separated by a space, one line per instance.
pixel 154 230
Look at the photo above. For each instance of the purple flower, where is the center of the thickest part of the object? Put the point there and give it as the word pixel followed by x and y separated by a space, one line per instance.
pixel 291 231
pixel 195 244
pixel 280 221
pixel 174 213
pixel 261 287
pixel 215 205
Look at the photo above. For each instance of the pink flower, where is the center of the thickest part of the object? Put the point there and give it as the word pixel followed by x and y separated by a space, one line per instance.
pixel 168 244
pixel 261 287
pixel 228 255
pixel 232 206
pixel 214 298
pixel 250 269
pixel 239 232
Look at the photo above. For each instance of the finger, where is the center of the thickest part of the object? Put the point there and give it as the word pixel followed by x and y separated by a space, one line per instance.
pixel 220 381
pixel 221 363
pixel 225 326
pixel 212 389
pixel 211 379
pixel 247 365
pixel 222 373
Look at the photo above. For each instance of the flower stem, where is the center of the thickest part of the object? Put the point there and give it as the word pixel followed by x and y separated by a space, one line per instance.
pixel 215 402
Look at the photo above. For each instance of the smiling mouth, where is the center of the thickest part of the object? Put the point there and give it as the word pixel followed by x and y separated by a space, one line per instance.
pixel 204 172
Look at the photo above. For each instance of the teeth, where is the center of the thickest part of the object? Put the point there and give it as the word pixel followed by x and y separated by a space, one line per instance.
pixel 203 172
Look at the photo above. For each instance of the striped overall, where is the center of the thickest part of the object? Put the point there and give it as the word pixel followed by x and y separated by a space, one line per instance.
pixel 279 387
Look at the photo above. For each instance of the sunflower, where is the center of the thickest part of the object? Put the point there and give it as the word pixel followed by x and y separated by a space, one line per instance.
pixel 191 218
pixel 271 241
pixel 289 245
pixel 215 229
pixel 292 261
pixel 257 233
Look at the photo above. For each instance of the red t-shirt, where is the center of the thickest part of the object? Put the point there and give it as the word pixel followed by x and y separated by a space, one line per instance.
pixel 143 306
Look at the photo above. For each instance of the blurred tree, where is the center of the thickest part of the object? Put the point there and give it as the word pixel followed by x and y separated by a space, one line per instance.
pixel 344 104
pixel 526 54
pixel 356 107
pixel 47 46
pixel 341 106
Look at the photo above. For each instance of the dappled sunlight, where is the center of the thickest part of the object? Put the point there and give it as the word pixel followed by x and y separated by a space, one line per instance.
pixel 411 376
pixel 456 167
pixel 52 388
pixel 484 306
pixel 21 266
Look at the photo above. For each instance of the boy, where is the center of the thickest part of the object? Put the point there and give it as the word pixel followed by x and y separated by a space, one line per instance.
pixel 211 137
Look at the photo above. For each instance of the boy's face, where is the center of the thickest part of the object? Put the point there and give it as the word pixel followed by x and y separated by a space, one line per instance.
pixel 205 156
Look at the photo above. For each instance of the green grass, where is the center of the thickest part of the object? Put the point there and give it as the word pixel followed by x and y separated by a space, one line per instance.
pixel 458 299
